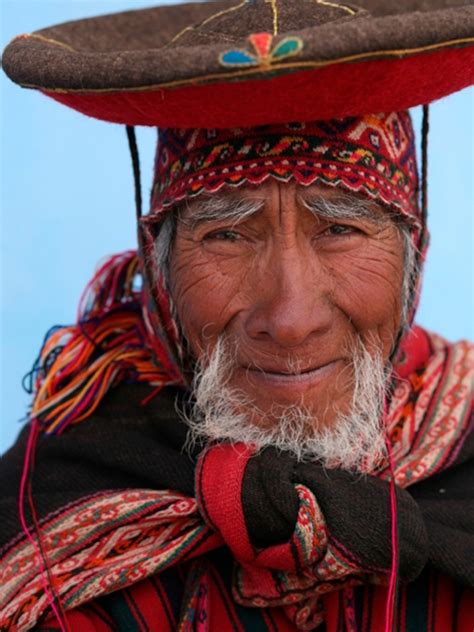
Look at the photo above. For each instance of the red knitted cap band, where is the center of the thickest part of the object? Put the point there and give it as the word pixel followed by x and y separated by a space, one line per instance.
pixel 373 155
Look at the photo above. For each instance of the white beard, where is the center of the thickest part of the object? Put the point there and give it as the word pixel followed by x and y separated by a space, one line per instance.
pixel 354 442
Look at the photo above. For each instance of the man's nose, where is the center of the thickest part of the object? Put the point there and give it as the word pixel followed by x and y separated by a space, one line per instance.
pixel 293 303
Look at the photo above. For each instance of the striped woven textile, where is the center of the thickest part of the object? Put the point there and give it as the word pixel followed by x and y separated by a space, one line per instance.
pixel 432 603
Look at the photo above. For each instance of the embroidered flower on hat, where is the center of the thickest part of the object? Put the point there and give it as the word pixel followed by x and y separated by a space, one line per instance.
pixel 264 55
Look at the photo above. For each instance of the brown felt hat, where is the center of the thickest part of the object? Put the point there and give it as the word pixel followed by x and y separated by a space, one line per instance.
pixel 248 62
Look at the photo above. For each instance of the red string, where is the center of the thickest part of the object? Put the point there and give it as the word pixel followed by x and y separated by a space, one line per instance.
pixel 42 561
pixel 390 609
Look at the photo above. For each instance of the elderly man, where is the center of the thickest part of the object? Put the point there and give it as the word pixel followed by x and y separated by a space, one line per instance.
pixel 257 437
pixel 308 291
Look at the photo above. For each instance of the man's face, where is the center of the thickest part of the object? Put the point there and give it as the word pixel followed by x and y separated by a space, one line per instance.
pixel 291 289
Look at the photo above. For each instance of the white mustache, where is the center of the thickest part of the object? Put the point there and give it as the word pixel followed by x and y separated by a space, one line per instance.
pixel 355 442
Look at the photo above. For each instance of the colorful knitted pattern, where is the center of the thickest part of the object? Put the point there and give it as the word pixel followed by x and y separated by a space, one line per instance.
pixel 373 155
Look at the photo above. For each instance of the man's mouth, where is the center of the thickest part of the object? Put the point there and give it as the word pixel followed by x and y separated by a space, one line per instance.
pixel 299 377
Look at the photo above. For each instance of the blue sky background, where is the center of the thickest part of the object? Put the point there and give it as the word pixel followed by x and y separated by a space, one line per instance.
pixel 67 201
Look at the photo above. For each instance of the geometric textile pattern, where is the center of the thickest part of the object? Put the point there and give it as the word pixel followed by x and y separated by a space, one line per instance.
pixel 373 155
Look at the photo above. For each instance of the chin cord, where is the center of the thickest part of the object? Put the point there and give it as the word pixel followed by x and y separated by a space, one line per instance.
pixel 392 595
pixel 132 144
pixel 425 131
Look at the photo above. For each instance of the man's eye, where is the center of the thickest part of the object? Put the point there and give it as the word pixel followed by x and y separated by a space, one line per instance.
pixel 340 229
pixel 223 235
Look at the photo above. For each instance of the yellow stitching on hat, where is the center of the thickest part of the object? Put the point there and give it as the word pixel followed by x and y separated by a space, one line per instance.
pixel 223 12
pixel 178 35
pixel 343 7
pixel 254 71
pixel 273 4
pixel 206 21
pixel 48 40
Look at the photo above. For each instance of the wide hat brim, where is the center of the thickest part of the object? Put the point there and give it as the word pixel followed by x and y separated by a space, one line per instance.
pixel 251 62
